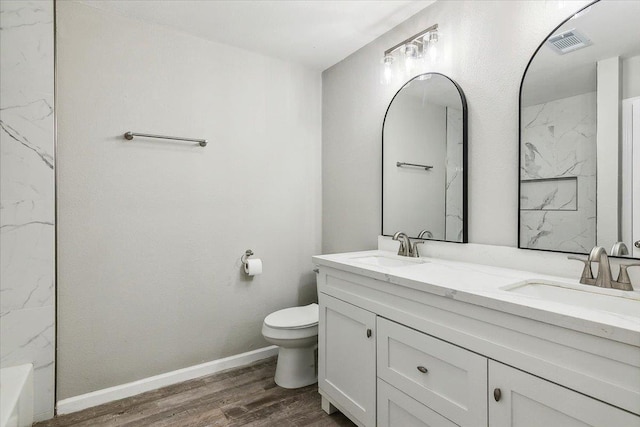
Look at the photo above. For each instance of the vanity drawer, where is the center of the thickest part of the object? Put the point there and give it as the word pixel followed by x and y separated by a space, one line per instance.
pixel 442 376
pixel 397 409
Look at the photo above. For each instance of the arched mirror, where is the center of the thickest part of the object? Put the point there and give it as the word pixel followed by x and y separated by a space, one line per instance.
pixel 580 135
pixel 424 158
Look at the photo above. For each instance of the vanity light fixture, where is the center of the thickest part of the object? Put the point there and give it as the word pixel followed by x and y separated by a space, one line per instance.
pixel 402 59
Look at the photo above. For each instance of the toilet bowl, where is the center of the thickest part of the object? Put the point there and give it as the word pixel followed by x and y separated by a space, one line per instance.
pixel 295 331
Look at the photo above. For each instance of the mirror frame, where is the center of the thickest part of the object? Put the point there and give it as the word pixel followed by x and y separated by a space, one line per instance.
pixel 465 131
pixel 524 75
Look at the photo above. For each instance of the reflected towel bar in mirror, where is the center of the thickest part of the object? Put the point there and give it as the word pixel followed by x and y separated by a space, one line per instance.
pixel 403 164
pixel 129 135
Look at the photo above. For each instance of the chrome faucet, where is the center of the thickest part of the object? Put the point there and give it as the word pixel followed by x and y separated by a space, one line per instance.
pixel 604 278
pixel 405 244
pixel 406 247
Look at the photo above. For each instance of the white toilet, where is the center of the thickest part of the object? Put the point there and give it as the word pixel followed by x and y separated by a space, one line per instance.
pixel 295 331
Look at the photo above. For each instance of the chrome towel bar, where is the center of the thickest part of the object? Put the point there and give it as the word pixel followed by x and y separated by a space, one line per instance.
pixel 401 164
pixel 129 135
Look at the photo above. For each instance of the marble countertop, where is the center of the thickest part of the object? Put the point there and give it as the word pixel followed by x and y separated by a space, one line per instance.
pixel 485 286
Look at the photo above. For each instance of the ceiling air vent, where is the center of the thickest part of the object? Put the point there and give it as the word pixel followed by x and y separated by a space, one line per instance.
pixel 568 41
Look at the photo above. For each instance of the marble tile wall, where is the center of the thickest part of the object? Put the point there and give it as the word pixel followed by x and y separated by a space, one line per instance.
pixel 559 141
pixel 453 209
pixel 27 205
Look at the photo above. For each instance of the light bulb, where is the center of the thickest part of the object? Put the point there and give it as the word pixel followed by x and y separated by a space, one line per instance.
pixel 433 45
pixel 410 52
pixel 386 76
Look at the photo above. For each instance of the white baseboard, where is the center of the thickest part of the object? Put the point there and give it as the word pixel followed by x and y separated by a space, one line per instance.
pixel 99 397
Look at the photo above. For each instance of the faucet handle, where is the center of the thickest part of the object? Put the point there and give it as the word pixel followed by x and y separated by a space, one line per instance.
pixel 624 281
pixel 587 274
pixel 414 248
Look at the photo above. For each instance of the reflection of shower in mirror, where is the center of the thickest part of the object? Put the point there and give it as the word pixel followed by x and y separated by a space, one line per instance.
pixel 579 103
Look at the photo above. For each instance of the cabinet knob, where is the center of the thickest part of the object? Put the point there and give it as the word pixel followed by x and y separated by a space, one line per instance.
pixel 497 394
pixel 368 333
pixel 637 244
pixel 423 369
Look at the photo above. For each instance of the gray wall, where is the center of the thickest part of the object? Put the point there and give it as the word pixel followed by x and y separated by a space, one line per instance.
pixel 27 237
pixel 150 232
pixel 485 46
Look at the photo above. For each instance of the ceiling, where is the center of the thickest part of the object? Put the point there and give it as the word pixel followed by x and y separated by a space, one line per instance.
pixel 315 33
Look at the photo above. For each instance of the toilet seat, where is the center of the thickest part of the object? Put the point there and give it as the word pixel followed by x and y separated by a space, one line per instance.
pixel 293 318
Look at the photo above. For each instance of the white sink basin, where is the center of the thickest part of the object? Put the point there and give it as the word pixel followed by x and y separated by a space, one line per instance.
pixel 388 261
pixel 610 300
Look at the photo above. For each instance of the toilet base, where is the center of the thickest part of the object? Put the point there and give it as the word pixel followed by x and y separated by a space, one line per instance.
pixel 297 367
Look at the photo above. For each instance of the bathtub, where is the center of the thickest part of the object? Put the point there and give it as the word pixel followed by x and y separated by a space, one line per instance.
pixel 16 396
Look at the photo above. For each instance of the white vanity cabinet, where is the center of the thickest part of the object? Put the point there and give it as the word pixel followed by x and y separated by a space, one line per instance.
pixel 433 361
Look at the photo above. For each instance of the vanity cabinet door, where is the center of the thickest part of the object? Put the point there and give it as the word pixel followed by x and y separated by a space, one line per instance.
pixel 524 400
pixel 347 359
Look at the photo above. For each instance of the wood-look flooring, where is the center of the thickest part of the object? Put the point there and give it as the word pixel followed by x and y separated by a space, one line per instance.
pixel 245 396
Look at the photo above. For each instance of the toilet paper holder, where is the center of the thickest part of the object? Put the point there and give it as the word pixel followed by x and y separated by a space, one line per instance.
pixel 246 256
